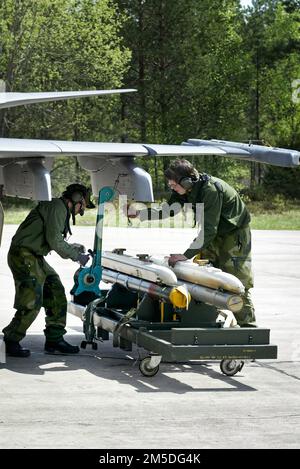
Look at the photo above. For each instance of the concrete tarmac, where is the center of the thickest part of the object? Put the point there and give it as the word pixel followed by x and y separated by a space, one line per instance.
pixel 99 399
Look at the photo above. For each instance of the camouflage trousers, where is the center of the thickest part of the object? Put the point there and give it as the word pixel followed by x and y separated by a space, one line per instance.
pixel 37 285
pixel 232 253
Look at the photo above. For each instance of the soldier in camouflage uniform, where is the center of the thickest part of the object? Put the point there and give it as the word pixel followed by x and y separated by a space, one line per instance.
pixel 227 236
pixel 37 284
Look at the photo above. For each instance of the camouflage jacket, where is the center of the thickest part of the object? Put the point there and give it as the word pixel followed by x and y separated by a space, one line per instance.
pixel 224 210
pixel 43 231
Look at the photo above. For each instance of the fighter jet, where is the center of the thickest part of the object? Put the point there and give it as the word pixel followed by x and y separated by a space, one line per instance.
pixel 25 164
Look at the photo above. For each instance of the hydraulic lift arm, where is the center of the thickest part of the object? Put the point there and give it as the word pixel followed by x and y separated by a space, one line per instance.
pixel 88 278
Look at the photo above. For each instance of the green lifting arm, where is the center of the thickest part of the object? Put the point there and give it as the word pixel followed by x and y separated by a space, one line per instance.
pixel 89 277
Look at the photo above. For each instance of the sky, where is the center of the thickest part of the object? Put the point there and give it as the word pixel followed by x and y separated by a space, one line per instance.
pixel 245 3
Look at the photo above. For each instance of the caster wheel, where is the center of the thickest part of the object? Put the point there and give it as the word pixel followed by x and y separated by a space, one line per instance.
pixel 145 367
pixel 83 344
pixel 231 367
pixel 94 346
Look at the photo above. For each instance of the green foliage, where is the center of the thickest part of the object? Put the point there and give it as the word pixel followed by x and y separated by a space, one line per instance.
pixel 284 181
pixel 203 69
pixel 63 45
pixel 65 170
pixel 188 66
pixel 58 45
pixel 272 40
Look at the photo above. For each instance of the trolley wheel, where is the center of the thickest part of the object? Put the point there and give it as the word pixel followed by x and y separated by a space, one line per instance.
pixel 231 367
pixel 83 344
pixel 145 369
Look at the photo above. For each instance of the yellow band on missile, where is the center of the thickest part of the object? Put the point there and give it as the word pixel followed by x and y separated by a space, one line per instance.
pixel 180 297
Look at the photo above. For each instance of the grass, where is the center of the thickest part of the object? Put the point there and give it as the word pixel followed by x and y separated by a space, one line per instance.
pixel 289 220
pixel 277 214
pixel 14 216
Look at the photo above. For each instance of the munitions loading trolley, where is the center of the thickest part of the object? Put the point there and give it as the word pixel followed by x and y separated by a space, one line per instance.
pixel 169 333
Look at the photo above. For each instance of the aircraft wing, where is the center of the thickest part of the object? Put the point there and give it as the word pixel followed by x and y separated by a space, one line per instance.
pixel 25 164
pixel 31 148
pixel 250 152
pixel 18 99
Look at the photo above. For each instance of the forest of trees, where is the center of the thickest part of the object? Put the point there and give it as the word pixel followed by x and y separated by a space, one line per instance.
pixel 202 68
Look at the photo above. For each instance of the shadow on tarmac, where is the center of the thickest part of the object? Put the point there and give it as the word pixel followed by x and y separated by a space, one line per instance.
pixel 279 370
pixel 117 365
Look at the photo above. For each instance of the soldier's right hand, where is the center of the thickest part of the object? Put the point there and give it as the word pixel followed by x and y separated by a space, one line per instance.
pixel 131 212
pixel 174 258
pixel 83 259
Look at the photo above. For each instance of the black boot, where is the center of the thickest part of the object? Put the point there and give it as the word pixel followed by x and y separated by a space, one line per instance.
pixel 14 349
pixel 60 346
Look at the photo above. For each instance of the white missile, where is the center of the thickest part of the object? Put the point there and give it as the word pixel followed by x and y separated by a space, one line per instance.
pixel 135 273
pixel 205 275
pixel 214 297
pixel 178 295
pixel 139 268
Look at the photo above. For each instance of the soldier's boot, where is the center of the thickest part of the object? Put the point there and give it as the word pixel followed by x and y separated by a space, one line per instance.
pixel 14 349
pixel 60 346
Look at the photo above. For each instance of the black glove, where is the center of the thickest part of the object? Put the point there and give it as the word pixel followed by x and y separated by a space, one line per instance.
pixel 174 258
pixel 83 259
pixel 80 247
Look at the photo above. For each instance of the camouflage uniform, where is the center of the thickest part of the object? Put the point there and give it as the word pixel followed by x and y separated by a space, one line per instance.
pixel 232 253
pixel 37 284
pixel 227 236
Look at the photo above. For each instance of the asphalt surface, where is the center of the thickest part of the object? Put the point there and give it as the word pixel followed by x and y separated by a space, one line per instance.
pixel 99 399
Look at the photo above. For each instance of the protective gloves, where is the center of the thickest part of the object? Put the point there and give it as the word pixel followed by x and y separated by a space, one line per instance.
pixel 83 259
pixel 174 258
pixel 79 247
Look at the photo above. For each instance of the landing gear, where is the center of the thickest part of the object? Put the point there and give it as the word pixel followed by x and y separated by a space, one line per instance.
pixel 231 367
pixel 149 366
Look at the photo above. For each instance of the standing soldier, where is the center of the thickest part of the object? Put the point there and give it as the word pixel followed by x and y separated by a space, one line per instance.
pixel 36 283
pixel 227 236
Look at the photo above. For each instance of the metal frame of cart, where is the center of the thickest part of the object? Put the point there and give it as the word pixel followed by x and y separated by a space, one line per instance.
pixel 172 342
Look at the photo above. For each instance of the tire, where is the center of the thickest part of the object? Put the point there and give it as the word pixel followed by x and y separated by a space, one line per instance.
pixel 145 368
pixel 231 367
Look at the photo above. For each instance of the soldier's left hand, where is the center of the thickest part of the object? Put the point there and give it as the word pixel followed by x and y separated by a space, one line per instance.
pixel 80 247
pixel 83 259
pixel 176 258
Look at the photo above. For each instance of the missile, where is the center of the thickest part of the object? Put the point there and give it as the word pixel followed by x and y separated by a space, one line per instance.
pixel 140 268
pixel 145 275
pixel 216 298
pixel 177 295
pixel 205 275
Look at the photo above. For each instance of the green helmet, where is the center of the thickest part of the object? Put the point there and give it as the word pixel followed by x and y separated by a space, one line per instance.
pixel 77 192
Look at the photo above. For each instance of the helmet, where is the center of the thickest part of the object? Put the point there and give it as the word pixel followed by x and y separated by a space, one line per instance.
pixel 77 192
